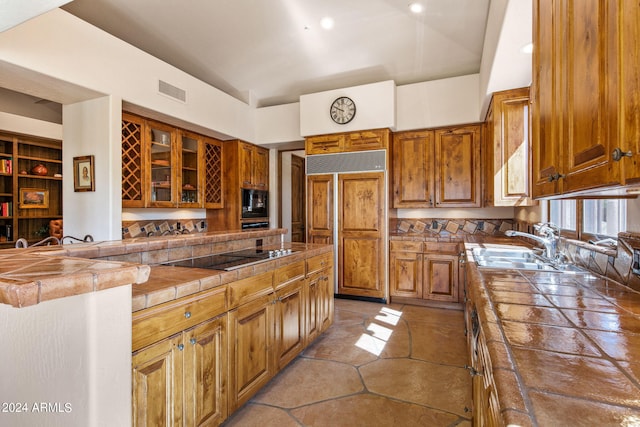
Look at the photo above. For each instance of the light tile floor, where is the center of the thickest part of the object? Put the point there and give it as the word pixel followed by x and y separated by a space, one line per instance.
pixel 378 365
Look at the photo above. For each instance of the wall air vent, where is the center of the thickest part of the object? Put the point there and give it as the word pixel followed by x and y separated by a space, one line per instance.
pixel 172 91
pixel 362 161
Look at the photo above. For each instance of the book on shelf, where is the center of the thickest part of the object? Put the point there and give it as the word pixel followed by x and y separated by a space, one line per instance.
pixel 6 165
pixel 6 208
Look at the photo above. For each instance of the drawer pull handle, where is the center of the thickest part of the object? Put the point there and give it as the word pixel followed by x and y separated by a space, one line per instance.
pixel 187 315
pixel 180 347
pixel 193 341
pixel 618 154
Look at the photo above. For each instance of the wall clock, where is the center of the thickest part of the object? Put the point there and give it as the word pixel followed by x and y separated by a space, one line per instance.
pixel 342 110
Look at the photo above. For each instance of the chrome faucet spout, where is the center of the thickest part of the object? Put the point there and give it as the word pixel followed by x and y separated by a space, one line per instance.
pixel 550 242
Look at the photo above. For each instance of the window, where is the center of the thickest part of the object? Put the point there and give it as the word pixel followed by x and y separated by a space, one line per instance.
pixel 589 219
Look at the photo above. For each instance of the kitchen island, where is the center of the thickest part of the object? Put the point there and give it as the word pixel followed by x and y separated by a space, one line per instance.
pixel 552 348
pixel 68 312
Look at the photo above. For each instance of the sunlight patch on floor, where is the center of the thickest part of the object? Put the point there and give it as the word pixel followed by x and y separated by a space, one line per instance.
pixel 379 335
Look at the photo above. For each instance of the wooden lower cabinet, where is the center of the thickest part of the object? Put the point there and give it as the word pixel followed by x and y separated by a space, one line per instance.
pixel 181 380
pixel 423 272
pixel 199 358
pixel 290 321
pixel 251 356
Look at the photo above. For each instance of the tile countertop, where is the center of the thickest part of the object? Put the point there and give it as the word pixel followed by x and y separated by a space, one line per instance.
pixel 28 278
pixel 565 347
pixel 167 283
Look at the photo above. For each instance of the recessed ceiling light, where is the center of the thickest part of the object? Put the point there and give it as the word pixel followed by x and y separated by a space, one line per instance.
pixel 326 22
pixel 527 48
pixel 416 7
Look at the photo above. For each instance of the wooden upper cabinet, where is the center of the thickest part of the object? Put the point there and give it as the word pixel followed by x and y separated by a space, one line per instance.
pixel 587 85
pixel 629 90
pixel 457 166
pixel 376 139
pixel 254 166
pixel 583 56
pixel 507 161
pixel 163 173
pixel 412 154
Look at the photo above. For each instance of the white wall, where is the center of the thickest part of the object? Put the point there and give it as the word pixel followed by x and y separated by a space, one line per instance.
pixel 280 123
pixel 438 103
pixel 93 128
pixel 74 351
pixel 28 126
pixel 375 108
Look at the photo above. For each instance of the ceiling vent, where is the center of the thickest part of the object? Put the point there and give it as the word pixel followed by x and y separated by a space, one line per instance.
pixel 172 91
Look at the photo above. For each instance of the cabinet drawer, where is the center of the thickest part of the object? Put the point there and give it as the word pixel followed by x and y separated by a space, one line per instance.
pixel 156 323
pixel 405 246
pixel 367 140
pixel 288 273
pixel 442 247
pixel 245 290
pixel 319 262
pixel 324 144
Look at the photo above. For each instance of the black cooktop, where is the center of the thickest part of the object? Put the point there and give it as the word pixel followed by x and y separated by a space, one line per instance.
pixel 232 260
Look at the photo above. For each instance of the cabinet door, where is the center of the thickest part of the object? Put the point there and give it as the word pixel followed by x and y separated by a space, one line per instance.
pixel 367 140
pixel 134 162
pixel 629 88
pixel 260 174
pixel 320 209
pixel 509 162
pixel 313 306
pixel 586 84
pixel 245 153
pixel 327 291
pixel 157 384
pixel 251 363
pixel 544 92
pixel 324 144
pixel 440 281
pixel 361 263
pixel 290 322
pixel 205 373
pixel 413 169
pixel 405 275
pixel 189 172
pixel 457 167
pixel 163 155
pixel 212 167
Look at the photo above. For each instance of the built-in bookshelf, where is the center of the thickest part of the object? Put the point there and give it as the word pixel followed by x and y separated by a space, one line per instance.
pixel 30 187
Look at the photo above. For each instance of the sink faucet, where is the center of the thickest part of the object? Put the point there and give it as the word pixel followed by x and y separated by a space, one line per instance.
pixel 549 239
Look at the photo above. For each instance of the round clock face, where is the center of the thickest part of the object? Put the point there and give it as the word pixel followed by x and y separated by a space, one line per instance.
pixel 342 110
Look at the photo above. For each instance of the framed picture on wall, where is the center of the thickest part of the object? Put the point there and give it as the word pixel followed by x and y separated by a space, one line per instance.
pixel 34 198
pixel 83 174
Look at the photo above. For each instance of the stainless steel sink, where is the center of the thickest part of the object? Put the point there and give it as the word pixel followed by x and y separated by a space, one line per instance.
pixel 516 258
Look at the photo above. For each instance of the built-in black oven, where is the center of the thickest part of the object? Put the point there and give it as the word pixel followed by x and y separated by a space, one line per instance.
pixel 255 203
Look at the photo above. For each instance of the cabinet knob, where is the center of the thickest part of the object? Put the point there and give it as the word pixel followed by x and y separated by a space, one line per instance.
pixel 618 154
pixel 556 177
pixel 180 347
pixel 187 315
pixel 193 341
pixel 472 371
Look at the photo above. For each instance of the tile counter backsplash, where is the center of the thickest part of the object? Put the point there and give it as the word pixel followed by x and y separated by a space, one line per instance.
pixel 450 227
pixel 131 229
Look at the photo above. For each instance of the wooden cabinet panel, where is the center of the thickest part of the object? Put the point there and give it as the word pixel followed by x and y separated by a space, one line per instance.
pixel 205 368
pixel 261 168
pixel 405 274
pixel 314 306
pixel 413 164
pixel 157 384
pixel 326 298
pixel 360 232
pixel 324 144
pixel 290 322
pixel 320 209
pixel 251 356
pixel 440 277
pixel 508 164
pixel 585 79
pixel 247 289
pixel 457 171
pixel 213 183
